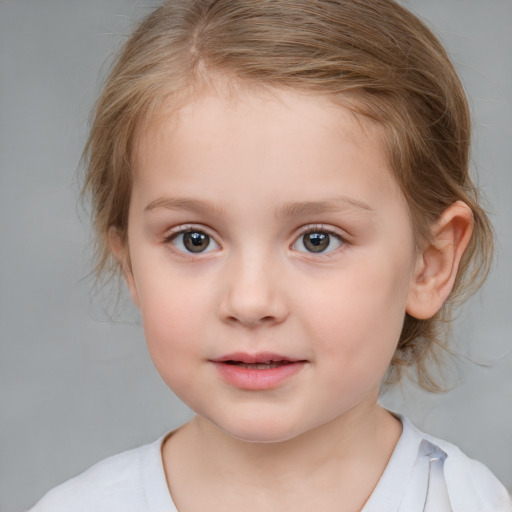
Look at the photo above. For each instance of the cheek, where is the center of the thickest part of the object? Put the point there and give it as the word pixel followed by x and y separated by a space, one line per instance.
pixel 359 315
pixel 173 337
pixel 174 311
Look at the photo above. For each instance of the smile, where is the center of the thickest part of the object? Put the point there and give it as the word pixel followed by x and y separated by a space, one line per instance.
pixel 260 366
pixel 258 371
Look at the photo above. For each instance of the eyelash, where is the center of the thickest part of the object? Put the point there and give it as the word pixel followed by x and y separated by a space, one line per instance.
pixel 319 228
pixel 184 229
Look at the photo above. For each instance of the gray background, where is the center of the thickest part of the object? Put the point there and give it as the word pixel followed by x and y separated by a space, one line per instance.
pixel 75 385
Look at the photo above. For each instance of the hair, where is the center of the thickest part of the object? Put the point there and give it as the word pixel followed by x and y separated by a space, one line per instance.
pixel 374 57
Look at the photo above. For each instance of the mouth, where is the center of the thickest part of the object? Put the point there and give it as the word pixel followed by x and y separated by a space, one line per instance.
pixel 261 360
pixel 257 371
pixel 263 365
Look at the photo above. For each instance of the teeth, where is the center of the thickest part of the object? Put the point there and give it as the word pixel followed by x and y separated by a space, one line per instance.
pixel 259 366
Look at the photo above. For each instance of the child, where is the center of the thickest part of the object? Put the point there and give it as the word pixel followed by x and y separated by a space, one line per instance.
pixel 284 186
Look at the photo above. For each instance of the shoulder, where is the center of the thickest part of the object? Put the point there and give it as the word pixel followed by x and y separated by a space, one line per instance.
pixel 471 486
pixel 113 484
pixel 116 484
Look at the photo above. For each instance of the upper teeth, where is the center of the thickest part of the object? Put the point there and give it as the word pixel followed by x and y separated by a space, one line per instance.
pixel 260 366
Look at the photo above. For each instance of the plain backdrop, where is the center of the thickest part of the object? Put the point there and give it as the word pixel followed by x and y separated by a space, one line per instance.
pixel 76 385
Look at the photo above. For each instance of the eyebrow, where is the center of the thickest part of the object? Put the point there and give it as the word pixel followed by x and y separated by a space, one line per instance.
pixel 184 203
pixel 292 209
pixel 335 204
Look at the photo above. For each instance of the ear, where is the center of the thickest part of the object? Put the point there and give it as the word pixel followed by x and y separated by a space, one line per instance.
pixel 119 247
pixel 438 264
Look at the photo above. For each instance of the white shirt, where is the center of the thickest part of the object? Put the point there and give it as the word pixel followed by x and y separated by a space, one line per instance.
pixel 424 474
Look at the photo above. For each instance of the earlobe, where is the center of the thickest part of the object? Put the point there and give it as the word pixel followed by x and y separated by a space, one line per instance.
pixel 120 251
pixel 438 263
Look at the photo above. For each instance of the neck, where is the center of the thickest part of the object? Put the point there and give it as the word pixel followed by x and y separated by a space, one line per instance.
pixel 332 455
pixel 342 439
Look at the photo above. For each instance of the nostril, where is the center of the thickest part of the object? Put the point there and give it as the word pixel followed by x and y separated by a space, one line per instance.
pixel 252 322
pixel 252 303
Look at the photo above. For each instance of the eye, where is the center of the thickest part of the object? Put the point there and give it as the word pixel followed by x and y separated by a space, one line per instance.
pixel 318 241
pixel 193 241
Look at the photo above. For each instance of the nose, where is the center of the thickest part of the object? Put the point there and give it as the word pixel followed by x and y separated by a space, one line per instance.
pixel 253 295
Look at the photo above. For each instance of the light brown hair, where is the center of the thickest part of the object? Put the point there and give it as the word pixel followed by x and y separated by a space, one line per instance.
pixel 373 56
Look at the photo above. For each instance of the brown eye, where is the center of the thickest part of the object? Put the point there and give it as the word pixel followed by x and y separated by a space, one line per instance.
pixel 193 242
pixel 318 242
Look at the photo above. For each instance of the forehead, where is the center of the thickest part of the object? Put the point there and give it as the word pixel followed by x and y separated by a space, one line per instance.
pixel 212 99
pixel 265 136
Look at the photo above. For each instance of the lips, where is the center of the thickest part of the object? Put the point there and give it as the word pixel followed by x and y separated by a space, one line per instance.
pixel 257 371
pixel 259 366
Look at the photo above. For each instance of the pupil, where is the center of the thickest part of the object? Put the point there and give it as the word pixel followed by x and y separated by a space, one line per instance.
pixel 316 242
pixel 196 241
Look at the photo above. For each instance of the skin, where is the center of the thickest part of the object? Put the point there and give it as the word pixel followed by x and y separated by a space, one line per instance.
pixel 256 172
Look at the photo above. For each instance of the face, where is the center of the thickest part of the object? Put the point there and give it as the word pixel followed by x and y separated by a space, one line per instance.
pixel 271 257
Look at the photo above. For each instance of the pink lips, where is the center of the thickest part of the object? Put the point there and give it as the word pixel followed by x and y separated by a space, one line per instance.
pixel 259 371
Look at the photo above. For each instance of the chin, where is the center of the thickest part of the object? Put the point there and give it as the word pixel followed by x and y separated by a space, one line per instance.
pixel 260 431
pixel 250 436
